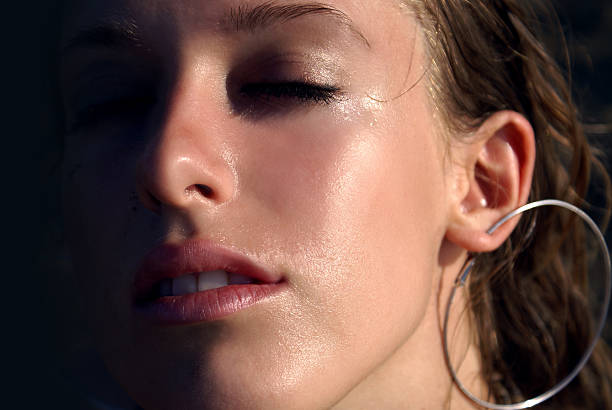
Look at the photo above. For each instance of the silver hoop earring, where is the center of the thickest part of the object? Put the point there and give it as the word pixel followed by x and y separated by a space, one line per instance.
pixel 462 278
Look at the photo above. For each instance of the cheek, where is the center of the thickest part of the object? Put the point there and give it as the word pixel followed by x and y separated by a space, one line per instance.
pixel 349 209
pixel 97 207
pixel 356 211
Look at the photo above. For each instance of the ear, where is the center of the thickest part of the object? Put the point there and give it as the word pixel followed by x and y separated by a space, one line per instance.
pixel 493 173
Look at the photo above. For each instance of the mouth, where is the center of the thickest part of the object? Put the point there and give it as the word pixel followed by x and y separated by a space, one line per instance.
pixel 198 281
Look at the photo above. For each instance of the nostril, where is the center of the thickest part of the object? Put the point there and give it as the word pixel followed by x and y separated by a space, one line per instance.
pixel 205 190
pixel 200 189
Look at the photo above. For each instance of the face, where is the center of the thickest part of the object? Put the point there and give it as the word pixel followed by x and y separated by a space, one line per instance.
pixel 278 143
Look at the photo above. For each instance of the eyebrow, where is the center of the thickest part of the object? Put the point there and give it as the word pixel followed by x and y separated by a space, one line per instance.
pixel 119 33
pixel 249 18
pixel 111 34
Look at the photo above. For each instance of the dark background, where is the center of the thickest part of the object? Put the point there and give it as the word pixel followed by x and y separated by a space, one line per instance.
pixel 31 152
pixel 588 27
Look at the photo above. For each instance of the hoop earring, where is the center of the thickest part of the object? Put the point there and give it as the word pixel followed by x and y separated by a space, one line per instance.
pixel 462 278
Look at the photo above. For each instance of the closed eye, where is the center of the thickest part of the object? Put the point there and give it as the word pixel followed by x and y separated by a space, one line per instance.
pixel 301 91
pixel 263 99
pixel 127 107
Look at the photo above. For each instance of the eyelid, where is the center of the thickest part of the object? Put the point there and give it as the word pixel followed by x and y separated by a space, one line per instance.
pixel 302 90
pixel 128 107
pixel 255 100
pixel 98 88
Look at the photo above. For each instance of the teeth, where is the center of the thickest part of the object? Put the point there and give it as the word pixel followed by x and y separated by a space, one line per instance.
pixel 236 279
pixel 212 280
pixel 184 285
pixel 165 287
pixel 199 282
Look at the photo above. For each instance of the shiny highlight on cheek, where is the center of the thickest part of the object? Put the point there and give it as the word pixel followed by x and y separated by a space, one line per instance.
pixel 319 183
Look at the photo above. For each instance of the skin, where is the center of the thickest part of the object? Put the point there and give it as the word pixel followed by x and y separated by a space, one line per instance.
pixel 356 200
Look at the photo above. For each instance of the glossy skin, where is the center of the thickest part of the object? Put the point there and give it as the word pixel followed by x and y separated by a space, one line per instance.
pixel 341 187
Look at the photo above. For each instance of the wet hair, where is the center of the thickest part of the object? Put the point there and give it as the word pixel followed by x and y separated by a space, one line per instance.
pixel 528 299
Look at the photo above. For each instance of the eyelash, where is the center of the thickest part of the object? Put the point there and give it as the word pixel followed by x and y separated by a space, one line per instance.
pixel 128 106
pixel 303 92
pixel 261 99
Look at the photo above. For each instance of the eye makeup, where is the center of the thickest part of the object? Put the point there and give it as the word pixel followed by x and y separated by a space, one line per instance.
pixel 117 109
pixel 264 79
pixel 267 85
pixel 108 93
pixel 268 98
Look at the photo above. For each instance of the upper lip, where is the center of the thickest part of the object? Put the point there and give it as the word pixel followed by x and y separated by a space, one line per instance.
pixel 171 260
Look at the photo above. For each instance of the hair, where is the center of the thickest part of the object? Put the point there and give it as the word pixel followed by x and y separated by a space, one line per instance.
pixel 529 305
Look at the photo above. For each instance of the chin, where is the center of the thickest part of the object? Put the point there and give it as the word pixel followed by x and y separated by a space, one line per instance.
pixel 216 366
pixel 200 387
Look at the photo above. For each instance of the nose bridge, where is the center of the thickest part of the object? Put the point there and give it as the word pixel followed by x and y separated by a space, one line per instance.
pixel 186 163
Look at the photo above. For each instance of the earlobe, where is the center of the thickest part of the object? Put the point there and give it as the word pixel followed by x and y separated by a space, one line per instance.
pixel 497 169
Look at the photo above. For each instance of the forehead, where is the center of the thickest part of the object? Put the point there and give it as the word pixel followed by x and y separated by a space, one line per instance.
pixel 363 20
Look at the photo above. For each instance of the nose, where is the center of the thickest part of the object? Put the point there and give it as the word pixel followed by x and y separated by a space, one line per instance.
pixel 186 164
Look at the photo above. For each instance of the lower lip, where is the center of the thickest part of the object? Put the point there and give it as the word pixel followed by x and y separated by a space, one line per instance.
pixel 205 306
